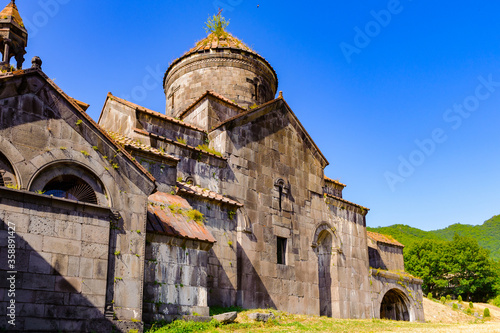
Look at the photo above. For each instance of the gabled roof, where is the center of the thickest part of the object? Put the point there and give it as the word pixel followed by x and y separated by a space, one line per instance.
pixel 167 216
pixel 10 11
pixel 186 188
pixel 152 113
pixel 81 113
pixel 265 108
pixel 213 94
pixel 386 239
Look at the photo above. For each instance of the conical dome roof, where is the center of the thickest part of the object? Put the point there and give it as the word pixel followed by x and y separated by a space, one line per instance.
pixel 10 11
pixel 212 41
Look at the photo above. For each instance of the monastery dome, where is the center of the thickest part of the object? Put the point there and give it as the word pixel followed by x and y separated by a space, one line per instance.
pixel 223 64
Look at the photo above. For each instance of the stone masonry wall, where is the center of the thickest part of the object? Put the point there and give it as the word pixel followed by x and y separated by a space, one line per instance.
pixel 221 221
pixel 61 259
pixel 408 287
pixel 40 131
pixel 175 281
pixel 263 149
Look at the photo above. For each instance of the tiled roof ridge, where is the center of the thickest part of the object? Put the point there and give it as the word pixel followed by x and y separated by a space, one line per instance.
pixel 214 94
pixel 387 239
pixel 334 181
pixel 153 113
pixel 164 138
pixel 82 113
pixel 346 201
pixel 134 144
pixel 205 193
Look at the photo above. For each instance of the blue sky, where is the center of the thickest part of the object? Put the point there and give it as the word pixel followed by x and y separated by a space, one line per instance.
pixel 401 96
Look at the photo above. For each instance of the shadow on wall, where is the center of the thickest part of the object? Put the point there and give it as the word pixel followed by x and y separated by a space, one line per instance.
pixel 252 291
pixel 221 291
pixel 43 299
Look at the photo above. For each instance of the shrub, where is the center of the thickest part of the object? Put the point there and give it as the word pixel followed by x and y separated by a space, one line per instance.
pixel 471 305
pixel 459 299
pixel 455 306
pixel 486 313
pixel 468 311
pixel 429 295
pixel 443 299
pixel 496 301
pixel 448 298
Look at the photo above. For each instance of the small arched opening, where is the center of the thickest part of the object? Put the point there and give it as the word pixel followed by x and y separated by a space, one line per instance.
pixel 7 174
pixel 72 188
pixel 70 181
pixel 394 306
pixel 324 251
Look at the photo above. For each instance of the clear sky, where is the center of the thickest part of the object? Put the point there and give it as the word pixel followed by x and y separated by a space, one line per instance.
pixel 402 97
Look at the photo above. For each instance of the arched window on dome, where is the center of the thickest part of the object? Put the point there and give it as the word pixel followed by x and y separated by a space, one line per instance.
pixel 72 188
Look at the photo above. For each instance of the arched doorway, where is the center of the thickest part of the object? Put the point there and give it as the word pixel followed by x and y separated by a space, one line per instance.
pixel 324 273
pixel 394 306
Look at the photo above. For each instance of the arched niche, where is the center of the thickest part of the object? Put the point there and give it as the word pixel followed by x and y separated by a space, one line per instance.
pixel 7 174
pixel 70 180
pixel 395 306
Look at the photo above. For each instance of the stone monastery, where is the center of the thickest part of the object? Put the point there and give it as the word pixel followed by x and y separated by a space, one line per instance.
pixel 142 216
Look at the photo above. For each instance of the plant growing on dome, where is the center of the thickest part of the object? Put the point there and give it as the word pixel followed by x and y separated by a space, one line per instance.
pixel 217 25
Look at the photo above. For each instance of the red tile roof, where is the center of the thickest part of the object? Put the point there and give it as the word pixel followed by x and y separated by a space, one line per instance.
pixel 334 181
pixel 163 138
pixel 136 145
pixel 386 239
pixel 166 215
pixel 206 194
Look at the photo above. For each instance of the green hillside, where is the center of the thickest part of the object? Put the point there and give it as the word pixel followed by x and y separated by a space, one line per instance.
pixel 487 234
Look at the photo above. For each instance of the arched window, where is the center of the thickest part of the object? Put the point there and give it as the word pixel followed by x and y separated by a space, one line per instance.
pixel 70 187
pixel 71 181
pixel 7 175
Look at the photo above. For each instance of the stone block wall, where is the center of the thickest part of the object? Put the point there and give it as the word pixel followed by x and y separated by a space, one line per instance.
pixel 408 291
pixel 61 262
pixel 175 282
pixel 221 221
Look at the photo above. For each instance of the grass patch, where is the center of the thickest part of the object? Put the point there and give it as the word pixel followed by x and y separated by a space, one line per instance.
pixel 207 149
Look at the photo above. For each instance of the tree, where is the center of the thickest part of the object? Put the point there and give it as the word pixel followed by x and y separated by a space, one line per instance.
pixel 216 25
pixel 460 267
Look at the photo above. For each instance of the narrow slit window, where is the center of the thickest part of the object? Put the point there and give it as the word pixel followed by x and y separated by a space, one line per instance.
pixel 281 251
pixel 1 179
pixel 280 189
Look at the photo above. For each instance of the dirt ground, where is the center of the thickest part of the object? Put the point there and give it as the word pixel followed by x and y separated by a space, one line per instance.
pixel 438 313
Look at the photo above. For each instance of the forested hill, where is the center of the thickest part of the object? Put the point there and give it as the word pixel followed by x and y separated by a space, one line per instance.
pixel 487 234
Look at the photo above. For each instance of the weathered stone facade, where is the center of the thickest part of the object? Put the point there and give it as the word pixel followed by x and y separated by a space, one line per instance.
pixel 146 217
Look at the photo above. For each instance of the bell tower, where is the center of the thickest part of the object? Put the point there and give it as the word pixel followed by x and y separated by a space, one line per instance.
pixel 13 37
